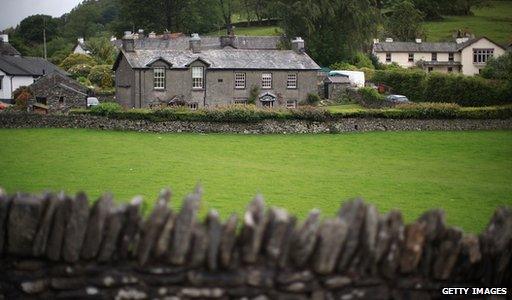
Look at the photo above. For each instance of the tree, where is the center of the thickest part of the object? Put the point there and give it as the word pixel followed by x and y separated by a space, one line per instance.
pixel 404 22
pixel 431 9
pixel 499 68
pixel 102 50
pixel 84 20
pixel 31 28
pixel 77 59
pixel 334 29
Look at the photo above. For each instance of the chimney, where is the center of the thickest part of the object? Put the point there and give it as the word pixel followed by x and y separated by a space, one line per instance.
pixel 152 35
pixel 80 40
pixel 389 40
pixel 128 42
pixel 418 41
pixel 113 38
pixel 376 41
pixel 227 40
pixel 195 43
pixel 4 38
pixel 298 45
pixel 461 40
pixel 141 33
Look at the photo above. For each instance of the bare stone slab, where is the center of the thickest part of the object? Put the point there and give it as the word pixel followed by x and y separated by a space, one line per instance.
pixel 447 254
pixel 163 243
pixel 391 235
pixel 153 226
pixel 331 237
pixel 41 239
pixel 199 246
pixel 353 213
pixel 413 247
pixel 183 228
pixel 76 228
pixel 276 230
pixel 96 226
pixel 61 219
pixel 227 241
pixel 369 240
pixel 131 229
pixel 304 239
pixel 24 216
pixel 253 230
pixel 214 239
pixel 5 203
pixel 115 222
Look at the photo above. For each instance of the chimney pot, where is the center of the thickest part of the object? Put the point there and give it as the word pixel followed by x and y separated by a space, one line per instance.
pixel 418 41
pixel 152 35
pixel 389 40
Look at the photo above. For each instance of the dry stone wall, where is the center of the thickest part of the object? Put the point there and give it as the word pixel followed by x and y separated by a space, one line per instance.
pixel 56 246
pixel 24 120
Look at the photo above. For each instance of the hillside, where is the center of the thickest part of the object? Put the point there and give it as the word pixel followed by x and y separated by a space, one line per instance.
pixel 494 22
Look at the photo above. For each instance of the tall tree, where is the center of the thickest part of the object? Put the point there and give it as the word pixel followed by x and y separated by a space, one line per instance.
pixel 334 30
pixel 404 22
pixel 31 28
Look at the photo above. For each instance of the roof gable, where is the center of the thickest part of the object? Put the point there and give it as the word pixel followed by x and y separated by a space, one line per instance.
pixel 472 41
pixel 159 59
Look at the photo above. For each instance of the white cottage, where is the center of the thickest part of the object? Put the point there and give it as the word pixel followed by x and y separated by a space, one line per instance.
pixel 464 55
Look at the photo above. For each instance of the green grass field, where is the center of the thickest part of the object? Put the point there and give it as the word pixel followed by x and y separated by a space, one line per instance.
pixel 468 174
pixel 494 22
pixel 252 31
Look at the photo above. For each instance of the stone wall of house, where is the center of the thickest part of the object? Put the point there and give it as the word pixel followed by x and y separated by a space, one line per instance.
pixel 27 120
pixel 56 246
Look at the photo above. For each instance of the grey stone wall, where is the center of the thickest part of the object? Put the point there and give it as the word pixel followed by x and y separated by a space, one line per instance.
pixel 55 246
pixel 26 120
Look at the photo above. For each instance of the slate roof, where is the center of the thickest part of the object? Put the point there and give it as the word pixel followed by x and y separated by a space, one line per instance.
pixel 207 42
pixel 424 46
pixel 27 66
pixel 59 79
pixel 227 58
pixel 8 49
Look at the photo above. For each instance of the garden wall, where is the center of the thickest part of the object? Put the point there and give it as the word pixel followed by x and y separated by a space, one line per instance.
pixel 58 247
pixel 24 120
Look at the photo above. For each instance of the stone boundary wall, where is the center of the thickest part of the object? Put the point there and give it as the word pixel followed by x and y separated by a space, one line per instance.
pixel 24 120
pixel 56 246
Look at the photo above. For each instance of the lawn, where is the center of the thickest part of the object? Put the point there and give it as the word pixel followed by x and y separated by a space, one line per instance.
pixel 468 174
pixel 494 22
pixel 251 31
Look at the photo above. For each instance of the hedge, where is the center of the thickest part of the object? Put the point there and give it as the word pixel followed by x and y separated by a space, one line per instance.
pixel 419 86
pixel 251 114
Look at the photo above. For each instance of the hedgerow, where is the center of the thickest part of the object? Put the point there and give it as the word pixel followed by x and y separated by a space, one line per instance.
pixel 251 114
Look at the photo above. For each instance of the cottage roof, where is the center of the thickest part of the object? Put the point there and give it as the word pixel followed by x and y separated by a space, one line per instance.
pixel 61 80
pixel 207 42
pixel 27 66
pixel 424 46
pixel 7 49
pixel 227 58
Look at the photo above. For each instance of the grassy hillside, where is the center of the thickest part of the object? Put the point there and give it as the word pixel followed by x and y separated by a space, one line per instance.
pixel 494 21
pixel 467 173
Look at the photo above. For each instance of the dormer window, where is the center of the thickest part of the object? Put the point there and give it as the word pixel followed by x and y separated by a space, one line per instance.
pixel 159 78
pixel 197 77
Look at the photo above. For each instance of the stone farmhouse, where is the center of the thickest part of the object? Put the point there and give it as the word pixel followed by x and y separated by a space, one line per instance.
pixel 212 71
pixel 464 55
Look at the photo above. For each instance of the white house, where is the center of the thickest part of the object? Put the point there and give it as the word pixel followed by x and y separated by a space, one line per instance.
pixel 16 70
pixel 81 47
pixel 464 55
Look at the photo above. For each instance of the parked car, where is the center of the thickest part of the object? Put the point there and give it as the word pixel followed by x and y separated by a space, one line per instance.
pixel 92 101
pixel 397 99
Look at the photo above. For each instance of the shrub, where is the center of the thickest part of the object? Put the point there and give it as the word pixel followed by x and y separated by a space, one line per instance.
pixel 362 60
pixel 312 99
pixel 343 66
pixel 21 100
pixel 81 70
pixel 84 81
pixel 102 76
pixel 77 59
pixel 254 93
pixel 106 109
pixel 429 110
pixel 370 97
pixel 406 82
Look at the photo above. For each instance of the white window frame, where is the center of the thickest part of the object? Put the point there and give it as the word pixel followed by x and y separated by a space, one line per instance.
pixel 434 56
pixel 197 78
pixel 291 81
pixel 240 80
pixel 388 57
pixel 481 56
pixel 159 78
pixel 451 56
pixel 291 104
pixel 193 105
pixel 410 57
pixel 266 81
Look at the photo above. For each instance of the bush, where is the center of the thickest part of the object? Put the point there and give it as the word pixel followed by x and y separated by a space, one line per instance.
pixel 102 76
pixel 313 99
pixel 429 110
pixel 84 81
pixel 419 86
pixel 81 70
pixel 106 109
pixel 254 93
pixel 371 98
pixel 77 59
